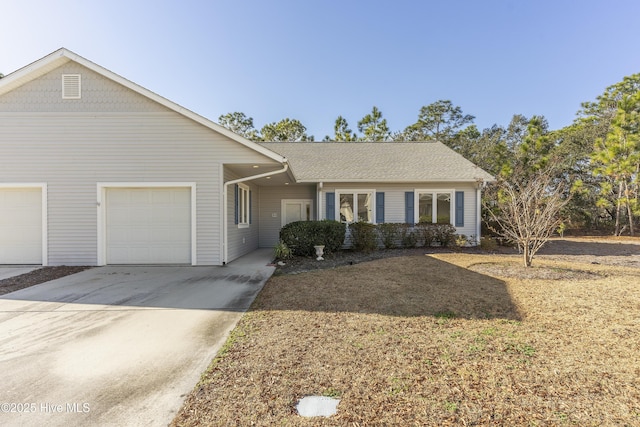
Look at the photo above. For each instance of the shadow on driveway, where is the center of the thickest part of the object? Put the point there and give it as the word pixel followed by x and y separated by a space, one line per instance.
pixel 229 288
pixel 122 344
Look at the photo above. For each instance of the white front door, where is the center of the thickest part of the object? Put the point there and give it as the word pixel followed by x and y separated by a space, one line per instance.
pixel 296 210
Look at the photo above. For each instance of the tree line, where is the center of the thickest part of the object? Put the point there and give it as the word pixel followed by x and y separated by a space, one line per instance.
pixel 594 162
pixel 440 120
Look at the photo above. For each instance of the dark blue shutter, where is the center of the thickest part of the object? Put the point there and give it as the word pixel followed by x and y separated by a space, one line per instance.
pixel 331 206
pixel 408 206
pixel 237 201
pixel 459 208
pixel 379 208
pixel 250 207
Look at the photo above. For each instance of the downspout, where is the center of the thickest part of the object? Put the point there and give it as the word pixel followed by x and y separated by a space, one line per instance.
pixel 481 185
pixel 319 201
pixel 225 187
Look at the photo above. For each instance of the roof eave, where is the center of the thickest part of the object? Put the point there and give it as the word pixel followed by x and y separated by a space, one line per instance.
pixel 63 55
pixel 395 181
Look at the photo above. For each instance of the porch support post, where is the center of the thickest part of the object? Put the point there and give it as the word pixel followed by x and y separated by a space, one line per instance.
pixel 225 196
pixel 479 212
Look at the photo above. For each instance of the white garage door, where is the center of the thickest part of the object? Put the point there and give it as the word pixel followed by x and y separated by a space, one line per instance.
pixel 20 226
pixel 148 225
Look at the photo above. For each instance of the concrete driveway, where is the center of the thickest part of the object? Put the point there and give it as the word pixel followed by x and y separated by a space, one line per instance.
pixel 9 272
pixel 118 345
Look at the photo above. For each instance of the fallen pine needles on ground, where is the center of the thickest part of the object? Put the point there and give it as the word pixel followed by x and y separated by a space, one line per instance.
pixel 434 340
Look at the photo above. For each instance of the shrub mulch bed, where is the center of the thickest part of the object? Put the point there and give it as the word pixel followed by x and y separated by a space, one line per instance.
pixel 300 264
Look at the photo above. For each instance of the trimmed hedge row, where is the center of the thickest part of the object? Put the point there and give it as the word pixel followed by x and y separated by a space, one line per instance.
pixel 302 236
pixel 368 237
pixel 364 236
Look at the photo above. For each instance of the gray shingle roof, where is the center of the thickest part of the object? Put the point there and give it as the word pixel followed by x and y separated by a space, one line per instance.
pixel 376 162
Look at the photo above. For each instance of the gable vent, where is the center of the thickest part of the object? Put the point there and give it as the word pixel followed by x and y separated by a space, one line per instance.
pixel 71 86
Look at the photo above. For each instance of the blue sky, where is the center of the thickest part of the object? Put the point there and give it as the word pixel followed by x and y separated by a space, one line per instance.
pixel 315 60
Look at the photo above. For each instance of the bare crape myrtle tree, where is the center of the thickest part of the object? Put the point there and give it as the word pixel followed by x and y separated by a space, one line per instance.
pixel 525 209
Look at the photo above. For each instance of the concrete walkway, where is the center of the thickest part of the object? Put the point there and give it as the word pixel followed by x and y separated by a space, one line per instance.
pixel 118 345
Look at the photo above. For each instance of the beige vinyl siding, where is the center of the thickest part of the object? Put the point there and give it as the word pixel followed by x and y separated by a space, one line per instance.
pixel 271 203
pixel 394 210
pixel 241 240
pixel 98 94
pixel 72 152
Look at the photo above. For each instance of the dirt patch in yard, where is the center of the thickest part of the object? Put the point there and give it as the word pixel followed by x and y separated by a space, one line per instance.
pixel 621 251
pixel 541 271
pixel 36 277
pixel 429 340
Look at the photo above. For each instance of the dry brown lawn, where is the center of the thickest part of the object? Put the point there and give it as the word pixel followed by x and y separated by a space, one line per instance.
pixel 438 340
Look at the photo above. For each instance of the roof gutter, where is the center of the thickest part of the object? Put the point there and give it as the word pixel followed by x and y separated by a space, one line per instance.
pixel 225 187
pixel 387 181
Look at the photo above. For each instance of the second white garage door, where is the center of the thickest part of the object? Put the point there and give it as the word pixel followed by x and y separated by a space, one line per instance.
pixel 148 225
pixel 21 226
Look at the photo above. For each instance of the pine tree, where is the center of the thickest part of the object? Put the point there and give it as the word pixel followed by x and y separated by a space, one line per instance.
pixel 617 159
pixel 374 127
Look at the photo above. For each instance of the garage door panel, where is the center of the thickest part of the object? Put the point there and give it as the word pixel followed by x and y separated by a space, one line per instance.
pixel 119 198
pixel 20 255
pixel 138 236
pixel 165 255
pixel 147 256
pixel 140 216
pixel 172 217
pixel 118 216
pixel 148 226
pixel 162 217
pixel 162 236
pixel 32 234
pixel 21 225
pixel 161 197
pixel 181 214
pixel 182 198
pixel 33 215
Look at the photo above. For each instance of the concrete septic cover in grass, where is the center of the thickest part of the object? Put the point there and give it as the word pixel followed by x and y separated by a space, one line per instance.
pixel 317 406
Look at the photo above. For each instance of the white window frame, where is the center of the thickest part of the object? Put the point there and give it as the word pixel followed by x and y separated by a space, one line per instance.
pixel 355 193
pixel 244 193
pixel 434 206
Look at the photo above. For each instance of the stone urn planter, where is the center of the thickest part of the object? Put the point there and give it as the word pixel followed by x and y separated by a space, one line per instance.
pixel 319 252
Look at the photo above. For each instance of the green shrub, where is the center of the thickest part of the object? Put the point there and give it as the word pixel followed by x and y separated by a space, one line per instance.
pixel 389 234
pixel 330 234
pixel 488 243
pixel 282 251
pixel 409 236
pixel 363 236
pixel 445 234
pixel 426 233
pixel 302 236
